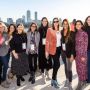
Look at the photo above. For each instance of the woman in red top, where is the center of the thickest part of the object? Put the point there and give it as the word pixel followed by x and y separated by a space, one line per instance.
pixel 53 48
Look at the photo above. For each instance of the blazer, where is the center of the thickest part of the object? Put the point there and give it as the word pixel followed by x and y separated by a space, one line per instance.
pixel 37 39
pixel 51 41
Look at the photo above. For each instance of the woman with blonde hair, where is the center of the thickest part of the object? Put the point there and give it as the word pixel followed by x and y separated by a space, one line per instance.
pixel 19 65
pixel 4 48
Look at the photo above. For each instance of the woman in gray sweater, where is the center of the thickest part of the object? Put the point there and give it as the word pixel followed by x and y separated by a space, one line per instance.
pixel 4 59
pixel 33 38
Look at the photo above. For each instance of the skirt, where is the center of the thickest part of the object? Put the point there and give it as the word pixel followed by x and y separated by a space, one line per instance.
pixel 20 66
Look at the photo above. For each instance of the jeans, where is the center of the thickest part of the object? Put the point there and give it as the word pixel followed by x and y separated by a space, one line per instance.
pixel 88 63
pixel 4 60
pixel 56 63
pixel 32 59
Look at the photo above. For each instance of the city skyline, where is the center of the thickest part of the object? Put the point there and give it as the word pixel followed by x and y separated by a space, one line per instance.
pixel 70 9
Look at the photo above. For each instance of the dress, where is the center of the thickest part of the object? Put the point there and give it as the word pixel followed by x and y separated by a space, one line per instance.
pixel 81 51
pixel 19 66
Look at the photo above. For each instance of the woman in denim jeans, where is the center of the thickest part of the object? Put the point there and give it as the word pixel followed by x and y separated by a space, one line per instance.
pixel 4 48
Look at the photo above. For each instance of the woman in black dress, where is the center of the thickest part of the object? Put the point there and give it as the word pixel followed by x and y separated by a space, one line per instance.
pixel 44 64
pixel 19 64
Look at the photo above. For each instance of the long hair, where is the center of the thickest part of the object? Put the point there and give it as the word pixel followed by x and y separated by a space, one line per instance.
pixel 31 26
pixel 68 32
pixel 47 22
pixel 14 28
pixel 53 23
pixel 86 24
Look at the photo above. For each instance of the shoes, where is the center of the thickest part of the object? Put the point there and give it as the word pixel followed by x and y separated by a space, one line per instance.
pixel 18 80
pixel 67 83
pixel 22 79
pixel 54 84
pixel 5 84
pixel 43 78
pixel 47 74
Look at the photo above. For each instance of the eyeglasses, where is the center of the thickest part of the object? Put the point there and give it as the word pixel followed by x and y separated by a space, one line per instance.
pixel 55 21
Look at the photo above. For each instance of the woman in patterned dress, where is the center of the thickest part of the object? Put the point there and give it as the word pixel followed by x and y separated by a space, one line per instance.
pixel 81 54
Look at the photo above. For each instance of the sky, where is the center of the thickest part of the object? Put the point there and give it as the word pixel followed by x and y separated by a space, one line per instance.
pixel 69 9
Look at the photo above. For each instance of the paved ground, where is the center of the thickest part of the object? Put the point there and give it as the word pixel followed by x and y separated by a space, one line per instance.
pixel 39 86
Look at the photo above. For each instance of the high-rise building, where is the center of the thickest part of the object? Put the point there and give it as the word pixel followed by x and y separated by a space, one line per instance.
pixel 0 19
pixel 23 18
pixel 9 20
pixel 28 15
pixel 36 16
pixel 19 20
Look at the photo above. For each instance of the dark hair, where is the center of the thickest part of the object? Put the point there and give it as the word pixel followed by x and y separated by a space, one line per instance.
pixel 14 28
pixel 31 26
pixel 81 24
pixel 47 21
pixel 86 24
pixel 53 23
pixel 65 20
pixel 68 32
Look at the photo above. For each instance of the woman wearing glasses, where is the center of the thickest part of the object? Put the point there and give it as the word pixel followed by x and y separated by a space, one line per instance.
pixel 33 38
pixel 53 48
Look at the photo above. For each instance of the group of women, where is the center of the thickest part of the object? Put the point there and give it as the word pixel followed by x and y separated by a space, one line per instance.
pixel 41 47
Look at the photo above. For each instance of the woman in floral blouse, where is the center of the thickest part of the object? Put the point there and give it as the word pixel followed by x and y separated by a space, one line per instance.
pixel 81 54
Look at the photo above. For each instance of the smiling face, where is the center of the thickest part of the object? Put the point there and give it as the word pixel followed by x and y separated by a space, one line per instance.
pixel 65 25
pixel 1 28
pixel 56 22
pixel 20 29
pixel 88 21
pixel 44 22
pixel 12 29
pixel 79 26
pixel 33 27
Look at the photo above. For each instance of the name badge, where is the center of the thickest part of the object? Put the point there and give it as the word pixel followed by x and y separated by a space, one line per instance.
pixel 44 41
pixel 24 46
pixel 64 47
pixel 32 47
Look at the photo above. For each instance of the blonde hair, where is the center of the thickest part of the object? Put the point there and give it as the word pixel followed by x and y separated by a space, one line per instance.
pixel 5 27
pixel 22 26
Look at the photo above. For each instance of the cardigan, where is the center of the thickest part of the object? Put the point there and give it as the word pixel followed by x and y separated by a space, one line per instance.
pixel 51 41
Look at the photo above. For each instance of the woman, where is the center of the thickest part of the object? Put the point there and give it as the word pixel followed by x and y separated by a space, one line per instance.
pixel 11 33
pixel 81 54
pixel 33 38
pixel 19 63
pixel 4 49
pixel 43 65
pixel 87 29
pixel 68 51
pixel 53 48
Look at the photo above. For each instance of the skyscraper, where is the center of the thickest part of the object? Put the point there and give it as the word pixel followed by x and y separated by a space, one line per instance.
pixel 0 19
pixel 28 15
pixel 9 20
pixel 23 18
pixel 36 17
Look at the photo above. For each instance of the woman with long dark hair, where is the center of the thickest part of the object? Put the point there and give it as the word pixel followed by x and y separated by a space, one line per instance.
pixel 68 51
pixel 33 38
pixel 44 64
pixel 87 29
pixel 81 54
pixel 53 48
